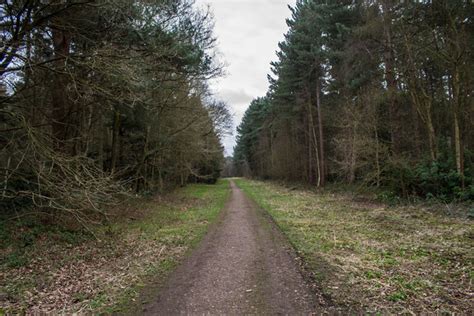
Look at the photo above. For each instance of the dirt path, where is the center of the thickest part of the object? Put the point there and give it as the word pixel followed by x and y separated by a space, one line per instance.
pixel 243 266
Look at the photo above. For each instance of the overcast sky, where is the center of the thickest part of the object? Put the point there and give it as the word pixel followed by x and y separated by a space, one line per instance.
pixel 248 32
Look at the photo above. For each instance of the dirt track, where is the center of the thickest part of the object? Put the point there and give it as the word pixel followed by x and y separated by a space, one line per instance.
pixel 243 266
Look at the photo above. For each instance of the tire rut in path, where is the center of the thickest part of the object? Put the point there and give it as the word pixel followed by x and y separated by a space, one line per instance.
pixel 242 266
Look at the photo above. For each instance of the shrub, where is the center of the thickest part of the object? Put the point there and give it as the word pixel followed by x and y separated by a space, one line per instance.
pixel 438 179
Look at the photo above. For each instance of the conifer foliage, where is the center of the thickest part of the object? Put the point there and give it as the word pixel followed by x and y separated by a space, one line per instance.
pixel 378 92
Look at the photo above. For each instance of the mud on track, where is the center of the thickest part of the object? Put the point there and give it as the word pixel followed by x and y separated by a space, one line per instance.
pixel 242 266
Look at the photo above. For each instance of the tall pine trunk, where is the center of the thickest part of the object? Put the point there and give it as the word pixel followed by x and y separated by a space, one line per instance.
pixel 321 136
pixel 61 45
pixel 115 141
pixel 388 56
pixel 316 146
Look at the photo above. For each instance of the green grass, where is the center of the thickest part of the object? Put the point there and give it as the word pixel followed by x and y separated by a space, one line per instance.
pixel 107 271
pixel 373 256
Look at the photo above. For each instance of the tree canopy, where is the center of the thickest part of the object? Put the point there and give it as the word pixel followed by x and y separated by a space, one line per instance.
pixel 377 92
pixel 103 97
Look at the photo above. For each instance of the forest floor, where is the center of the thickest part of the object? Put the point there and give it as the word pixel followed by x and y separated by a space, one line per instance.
pixel 268 249
pixel 373 257
pixel 244 266
pixel 46 269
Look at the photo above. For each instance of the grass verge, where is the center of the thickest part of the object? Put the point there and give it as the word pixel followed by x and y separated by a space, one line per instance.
pixel 45 269
pixel 375 257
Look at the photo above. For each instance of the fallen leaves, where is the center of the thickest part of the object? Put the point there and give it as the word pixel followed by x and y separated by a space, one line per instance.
pixel 60 278
pixel 73 286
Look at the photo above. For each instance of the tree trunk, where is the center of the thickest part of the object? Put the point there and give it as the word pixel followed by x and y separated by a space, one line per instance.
pixel 421 100
pixel 457 106
pixel 141 173
pixel 321 136
pixel 390 77
pixel 432 137
pixel 458 149
pixel 377 156
pixel 272 154
pixel 310 153
pixel 160 176
pixel 5 179
pixel 315 140
pixel 61 45
pixel 353 157
pixel 103 136
pixel 115 141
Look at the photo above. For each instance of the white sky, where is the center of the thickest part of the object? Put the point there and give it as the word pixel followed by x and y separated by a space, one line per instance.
pixel 248 32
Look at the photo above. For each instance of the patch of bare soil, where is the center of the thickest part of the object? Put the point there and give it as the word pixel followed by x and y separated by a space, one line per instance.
pixel 243 266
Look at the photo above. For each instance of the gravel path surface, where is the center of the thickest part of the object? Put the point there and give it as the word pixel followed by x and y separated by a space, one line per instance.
pixel 242 266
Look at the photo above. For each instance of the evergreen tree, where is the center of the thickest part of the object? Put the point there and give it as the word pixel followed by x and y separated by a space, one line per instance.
pixel 370 91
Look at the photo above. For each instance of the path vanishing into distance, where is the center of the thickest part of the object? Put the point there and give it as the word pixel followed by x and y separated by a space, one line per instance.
pixel 243 266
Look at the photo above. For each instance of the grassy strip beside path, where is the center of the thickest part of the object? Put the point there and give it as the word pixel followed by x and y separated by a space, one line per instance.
pixel 380 258
pixel 46 270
